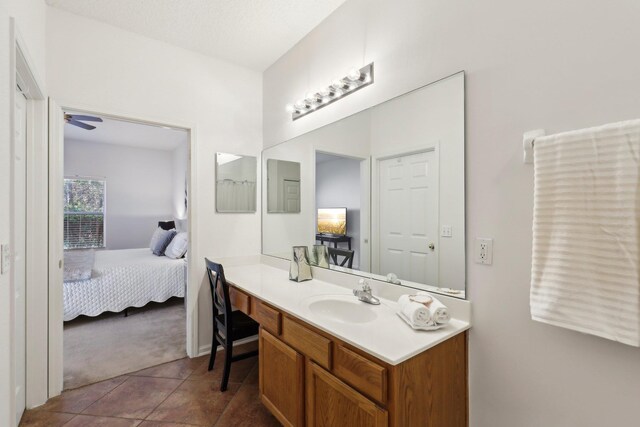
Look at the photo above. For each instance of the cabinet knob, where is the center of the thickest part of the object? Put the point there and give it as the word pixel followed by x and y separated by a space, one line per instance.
pixel 432 246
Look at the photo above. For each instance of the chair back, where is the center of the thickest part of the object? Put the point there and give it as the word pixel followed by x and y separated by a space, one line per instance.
pixel 334 253
pixel 219 291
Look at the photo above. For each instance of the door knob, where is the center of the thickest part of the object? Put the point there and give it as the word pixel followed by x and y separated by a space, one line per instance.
pixel 432 246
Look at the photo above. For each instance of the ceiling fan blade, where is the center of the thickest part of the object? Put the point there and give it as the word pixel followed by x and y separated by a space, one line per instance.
pixel 80 124
pixel 85 118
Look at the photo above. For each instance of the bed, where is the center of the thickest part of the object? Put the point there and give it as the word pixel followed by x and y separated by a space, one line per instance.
pixel 113 280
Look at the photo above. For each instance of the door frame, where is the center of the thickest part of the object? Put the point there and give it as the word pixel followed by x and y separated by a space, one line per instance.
pixel 22 65
pixel 56 176
pixel 375 195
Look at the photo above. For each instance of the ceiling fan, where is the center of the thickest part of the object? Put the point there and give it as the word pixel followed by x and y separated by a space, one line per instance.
pixel 74 119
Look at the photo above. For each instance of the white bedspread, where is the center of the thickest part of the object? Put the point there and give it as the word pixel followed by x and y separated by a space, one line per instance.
pixel 125 278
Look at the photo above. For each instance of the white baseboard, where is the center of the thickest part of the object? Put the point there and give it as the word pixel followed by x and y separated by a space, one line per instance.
pixel 206 349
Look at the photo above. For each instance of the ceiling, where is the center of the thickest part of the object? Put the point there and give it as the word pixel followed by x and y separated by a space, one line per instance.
pixel 131 134
pixel 251 33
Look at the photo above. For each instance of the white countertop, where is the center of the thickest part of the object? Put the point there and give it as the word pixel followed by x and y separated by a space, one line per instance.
pixel 386 337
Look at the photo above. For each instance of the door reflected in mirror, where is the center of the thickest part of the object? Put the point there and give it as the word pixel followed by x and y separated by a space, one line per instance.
pixel 384 191
pixel 236 183
pixel 283 186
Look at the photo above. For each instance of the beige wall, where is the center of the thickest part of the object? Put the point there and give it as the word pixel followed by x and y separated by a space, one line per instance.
pixel 556 65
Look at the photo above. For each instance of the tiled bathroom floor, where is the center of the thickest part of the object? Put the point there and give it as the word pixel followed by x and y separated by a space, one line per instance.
pixel 179 393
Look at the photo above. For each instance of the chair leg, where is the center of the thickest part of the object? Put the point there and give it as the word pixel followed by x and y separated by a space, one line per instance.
pixel 212 357
pixel 214 347
pixel 228 354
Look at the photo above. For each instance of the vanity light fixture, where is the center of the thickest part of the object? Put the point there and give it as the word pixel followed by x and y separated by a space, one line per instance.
pixel 356 79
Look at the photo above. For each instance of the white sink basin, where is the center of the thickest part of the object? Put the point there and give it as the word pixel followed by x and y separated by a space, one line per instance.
pixel 342 308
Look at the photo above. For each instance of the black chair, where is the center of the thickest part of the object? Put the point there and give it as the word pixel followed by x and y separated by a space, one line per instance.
pixel 228 325
pixel 334 253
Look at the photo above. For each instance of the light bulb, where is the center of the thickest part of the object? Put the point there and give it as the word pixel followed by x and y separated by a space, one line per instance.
pixel 354 74
pixel 300 104
pixel 326 99
pixel 353 85
pixel 337 83
pixel 311 98
pixel 290 108
pixel 338 93
pixel 325 91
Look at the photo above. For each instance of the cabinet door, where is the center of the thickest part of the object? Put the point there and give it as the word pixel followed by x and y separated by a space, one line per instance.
pixel 332 403
pixel 281 380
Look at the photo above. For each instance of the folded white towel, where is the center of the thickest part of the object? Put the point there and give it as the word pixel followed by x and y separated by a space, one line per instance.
pixel 417 313
pixel 439 311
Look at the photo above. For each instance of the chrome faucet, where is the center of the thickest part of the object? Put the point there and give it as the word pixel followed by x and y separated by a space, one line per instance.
pixel 365 294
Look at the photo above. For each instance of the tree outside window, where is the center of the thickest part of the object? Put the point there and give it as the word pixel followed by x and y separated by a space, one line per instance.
pixel 84 201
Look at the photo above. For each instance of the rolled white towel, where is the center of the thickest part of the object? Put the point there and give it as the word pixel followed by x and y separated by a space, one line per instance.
pixel 417 313
pixel 439 311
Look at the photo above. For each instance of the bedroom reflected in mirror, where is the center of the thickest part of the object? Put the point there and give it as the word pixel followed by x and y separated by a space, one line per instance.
pixel 283 186
pixel 235 183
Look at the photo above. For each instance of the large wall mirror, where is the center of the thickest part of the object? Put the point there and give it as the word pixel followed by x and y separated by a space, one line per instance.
pixel 383 189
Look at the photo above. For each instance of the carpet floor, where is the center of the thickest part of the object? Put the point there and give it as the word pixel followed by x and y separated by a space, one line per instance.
pixel 109 345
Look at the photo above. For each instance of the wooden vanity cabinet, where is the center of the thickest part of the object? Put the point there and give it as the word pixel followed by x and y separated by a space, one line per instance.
pixel 281 373
pixel 331 402
pixel 311 378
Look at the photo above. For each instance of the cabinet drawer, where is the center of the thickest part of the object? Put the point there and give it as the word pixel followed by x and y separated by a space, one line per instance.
pixel 269 318
pixel 367 376
pixel 313 345
pixel 239 300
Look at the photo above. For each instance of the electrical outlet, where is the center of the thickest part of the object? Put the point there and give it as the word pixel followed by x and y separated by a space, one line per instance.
pixel 484 251
pixel 446 231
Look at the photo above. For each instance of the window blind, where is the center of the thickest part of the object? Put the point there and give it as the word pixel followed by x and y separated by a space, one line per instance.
pixel 84 213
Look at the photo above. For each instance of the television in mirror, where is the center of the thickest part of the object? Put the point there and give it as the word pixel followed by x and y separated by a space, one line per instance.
pixel 332 221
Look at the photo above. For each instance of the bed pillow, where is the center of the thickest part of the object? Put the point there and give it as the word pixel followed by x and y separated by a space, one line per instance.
pixel 160 240
pixel 178 246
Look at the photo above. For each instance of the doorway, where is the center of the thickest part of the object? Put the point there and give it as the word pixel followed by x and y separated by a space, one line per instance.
pixel 408 238
pixel 124 245
pixel 180 219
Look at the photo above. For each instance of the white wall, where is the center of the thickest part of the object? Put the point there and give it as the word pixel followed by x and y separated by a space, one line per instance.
pixel 29 18
pixel 338 186
pixel 111 70
pixel 6 327
pixel 555 65
pixel 139 190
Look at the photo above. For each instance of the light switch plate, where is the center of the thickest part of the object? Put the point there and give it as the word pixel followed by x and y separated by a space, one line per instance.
pixel 446 231
pixel 484 251
pixel 5 258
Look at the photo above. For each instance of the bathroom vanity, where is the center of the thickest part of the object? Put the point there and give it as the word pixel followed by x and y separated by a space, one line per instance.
pixel 395 173
pixel 328 359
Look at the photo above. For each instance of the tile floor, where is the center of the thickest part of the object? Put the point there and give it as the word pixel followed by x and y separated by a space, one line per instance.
pixel 174 394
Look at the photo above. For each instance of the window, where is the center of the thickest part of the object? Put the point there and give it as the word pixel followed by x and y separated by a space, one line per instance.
pixel 84 213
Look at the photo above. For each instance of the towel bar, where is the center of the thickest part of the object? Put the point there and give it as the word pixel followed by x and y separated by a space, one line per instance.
pixel 527 143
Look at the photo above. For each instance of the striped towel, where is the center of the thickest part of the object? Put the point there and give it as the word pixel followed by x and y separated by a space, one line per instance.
pixel 585 272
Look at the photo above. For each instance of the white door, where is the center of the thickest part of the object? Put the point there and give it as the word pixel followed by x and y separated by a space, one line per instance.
pixel 19 231
pixel 291 196
pixel 408 216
